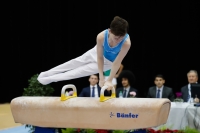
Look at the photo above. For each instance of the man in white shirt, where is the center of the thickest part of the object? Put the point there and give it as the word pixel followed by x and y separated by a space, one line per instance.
pixel 192 76
pixel 160 91
pixel 93 90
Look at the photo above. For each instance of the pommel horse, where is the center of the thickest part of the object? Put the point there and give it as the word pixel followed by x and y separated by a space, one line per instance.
pixel 109 113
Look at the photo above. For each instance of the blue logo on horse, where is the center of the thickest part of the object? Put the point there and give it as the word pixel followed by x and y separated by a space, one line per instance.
pixel 124 115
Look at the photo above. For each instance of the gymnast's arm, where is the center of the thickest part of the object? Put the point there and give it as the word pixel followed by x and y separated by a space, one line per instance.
pixel 100 58
pixel 119 71
pixel 116 64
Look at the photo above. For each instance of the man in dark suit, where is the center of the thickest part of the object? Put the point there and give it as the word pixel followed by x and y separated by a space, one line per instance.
pixel 160 91
pixel 94 89
pixel 127 79
pixel 192 76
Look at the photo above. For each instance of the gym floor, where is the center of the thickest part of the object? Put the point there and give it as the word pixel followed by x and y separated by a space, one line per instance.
pixel 6 118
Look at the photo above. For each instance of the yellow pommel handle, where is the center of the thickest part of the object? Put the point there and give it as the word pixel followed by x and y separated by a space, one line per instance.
pixel 63 96
pixel 103 98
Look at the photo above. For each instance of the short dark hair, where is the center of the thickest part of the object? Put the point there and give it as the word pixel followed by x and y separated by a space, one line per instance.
pixel 159 76
pixel 95 75
pixel 128 75
pixel 119 26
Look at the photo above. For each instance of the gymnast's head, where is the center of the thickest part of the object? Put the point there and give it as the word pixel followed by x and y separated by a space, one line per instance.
pixel 118 26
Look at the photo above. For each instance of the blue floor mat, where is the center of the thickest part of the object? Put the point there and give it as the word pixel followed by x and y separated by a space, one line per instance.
pixel 19 129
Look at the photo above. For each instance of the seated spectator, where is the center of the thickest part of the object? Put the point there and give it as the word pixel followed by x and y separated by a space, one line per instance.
pixel 160 91
pixel 93 90
pixel 192 76
pixel 127 79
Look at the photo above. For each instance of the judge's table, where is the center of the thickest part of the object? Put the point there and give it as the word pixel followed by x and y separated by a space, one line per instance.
pixel 182 115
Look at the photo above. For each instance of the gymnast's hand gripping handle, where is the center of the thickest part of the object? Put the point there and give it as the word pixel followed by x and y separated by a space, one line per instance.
pixel 103 98
pixel 63 96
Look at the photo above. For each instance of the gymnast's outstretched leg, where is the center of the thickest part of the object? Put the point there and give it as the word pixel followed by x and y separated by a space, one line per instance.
pixel 82 71
pixel 88 57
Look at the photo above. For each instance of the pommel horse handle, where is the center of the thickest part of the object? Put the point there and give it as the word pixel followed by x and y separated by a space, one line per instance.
pixel 63 96
pixel 103 98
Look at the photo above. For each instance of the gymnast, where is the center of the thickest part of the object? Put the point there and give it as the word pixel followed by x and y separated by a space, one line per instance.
pixel 111 47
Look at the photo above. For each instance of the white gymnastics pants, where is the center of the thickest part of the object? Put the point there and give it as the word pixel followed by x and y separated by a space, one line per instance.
pixel 81 66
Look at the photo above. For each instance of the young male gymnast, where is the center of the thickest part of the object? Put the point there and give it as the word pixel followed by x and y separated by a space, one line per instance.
pixel 112 46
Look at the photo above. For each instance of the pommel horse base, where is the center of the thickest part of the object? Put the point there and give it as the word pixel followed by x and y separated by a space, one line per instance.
pixel 109 113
